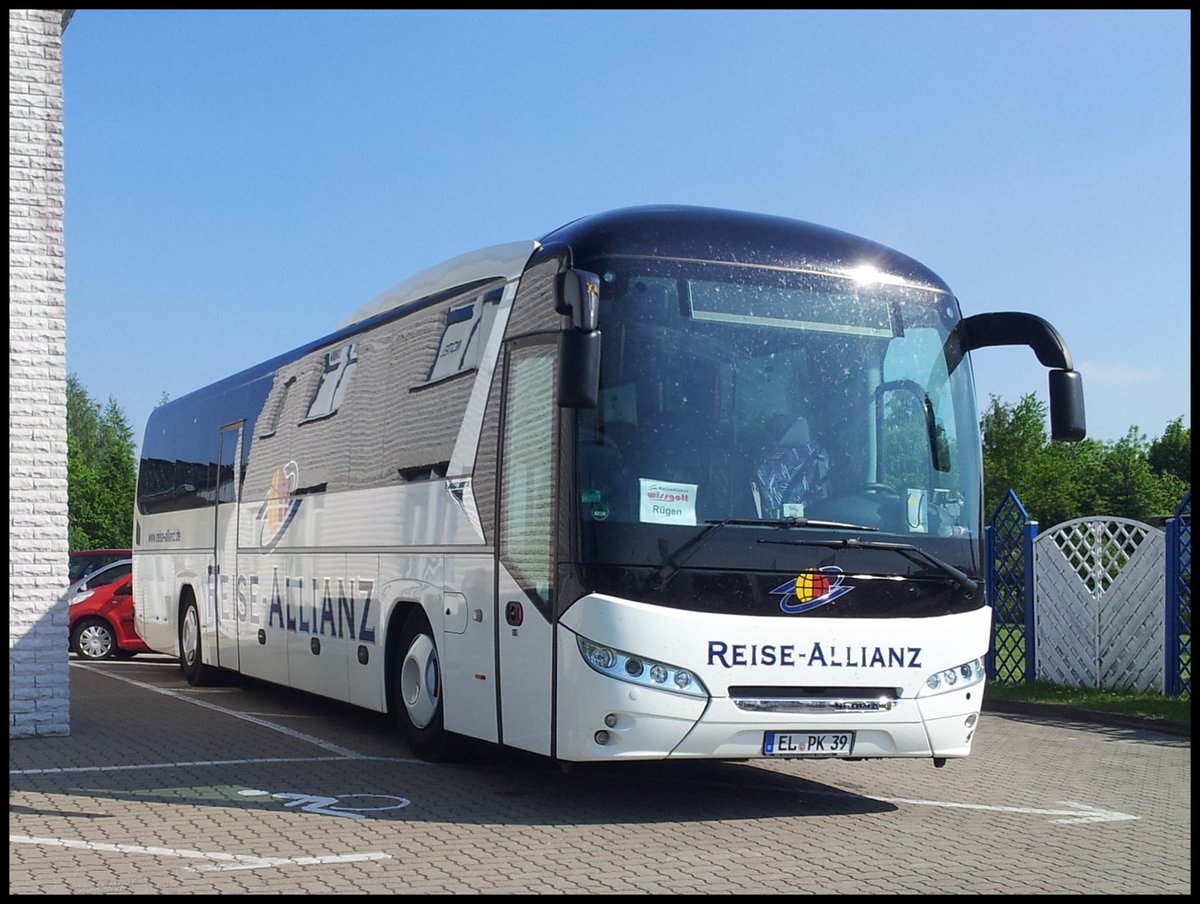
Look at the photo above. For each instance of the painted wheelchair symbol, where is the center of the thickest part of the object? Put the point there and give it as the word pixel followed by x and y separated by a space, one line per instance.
pixel 332 806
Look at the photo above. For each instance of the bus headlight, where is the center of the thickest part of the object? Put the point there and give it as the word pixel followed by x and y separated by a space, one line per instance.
pixel 639 670
pixel 954 679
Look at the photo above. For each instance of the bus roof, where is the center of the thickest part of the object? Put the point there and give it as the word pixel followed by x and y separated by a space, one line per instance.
pixel 665 230
pixel 504 261
pixel 732 236
pixel 668 230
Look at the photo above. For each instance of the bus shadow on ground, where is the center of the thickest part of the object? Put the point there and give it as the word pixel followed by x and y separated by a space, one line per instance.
pixel 206 762
pixel 513 790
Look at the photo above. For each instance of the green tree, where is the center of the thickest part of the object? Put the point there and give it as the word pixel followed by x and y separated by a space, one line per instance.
pixel 1013 439
pixel 1068 476
pixel 1056 482
pixel 101 475
pixel 1127 481
pixel 1172 452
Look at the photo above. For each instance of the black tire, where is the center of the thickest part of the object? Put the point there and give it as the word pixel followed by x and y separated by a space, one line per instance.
pixel 191 662
pixel 416 692
pixel 93 639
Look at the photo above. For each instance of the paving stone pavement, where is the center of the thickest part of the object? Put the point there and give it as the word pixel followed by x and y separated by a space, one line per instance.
pixel 162 788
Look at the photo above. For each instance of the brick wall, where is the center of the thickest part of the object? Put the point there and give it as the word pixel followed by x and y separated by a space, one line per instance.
pixel 38 679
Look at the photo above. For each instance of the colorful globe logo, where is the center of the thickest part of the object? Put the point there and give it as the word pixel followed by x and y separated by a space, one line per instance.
pixel 810 585
pixel 278 496
pixel 811 588
pixel 279 507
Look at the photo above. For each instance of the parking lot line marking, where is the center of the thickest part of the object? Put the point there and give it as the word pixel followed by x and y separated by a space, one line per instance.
pixel 1083 812
pixel 218 859
pixel 249 761
pixel 175 695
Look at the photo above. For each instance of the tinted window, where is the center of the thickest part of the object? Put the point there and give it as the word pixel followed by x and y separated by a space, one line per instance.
pixel 107 575
pixel 83 564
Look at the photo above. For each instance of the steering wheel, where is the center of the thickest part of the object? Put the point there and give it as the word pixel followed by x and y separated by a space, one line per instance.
pixel 878 488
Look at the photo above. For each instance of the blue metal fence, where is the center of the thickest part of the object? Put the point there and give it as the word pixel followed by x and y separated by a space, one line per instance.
pixel 1179 600
pixel 1008 540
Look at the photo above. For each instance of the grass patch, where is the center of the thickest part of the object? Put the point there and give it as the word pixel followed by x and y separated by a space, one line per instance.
pixel 1154 706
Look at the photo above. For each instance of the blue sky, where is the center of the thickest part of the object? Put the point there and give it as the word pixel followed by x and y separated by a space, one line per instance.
pixel 239 181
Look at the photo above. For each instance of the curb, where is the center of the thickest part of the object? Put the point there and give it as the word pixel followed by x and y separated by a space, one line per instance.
pixel 1094 716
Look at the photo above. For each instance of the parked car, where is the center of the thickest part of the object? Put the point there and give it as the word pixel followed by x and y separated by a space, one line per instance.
pixel 105 574
pixel 84 561
pixel 100 615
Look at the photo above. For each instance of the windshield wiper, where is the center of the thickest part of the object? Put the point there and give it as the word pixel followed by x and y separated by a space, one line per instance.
pixel 803 522
pixel 910 552
pixel 675 560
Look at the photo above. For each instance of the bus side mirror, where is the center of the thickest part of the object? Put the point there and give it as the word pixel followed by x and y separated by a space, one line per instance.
pixel 579 342
pixel 578 368
pixel 1067 423
pixel 579 296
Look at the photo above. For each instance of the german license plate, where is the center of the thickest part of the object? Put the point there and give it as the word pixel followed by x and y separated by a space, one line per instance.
pixel 808 743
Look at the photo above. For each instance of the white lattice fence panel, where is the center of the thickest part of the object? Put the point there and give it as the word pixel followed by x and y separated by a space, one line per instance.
pixel 1133 620
pixel 1064 620
pixel 1099 587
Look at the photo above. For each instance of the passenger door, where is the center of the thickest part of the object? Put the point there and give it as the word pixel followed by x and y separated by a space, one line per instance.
pixel 526 544
pixel 225 568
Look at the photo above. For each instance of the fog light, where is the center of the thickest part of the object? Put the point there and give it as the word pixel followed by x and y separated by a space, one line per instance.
pixel 611 720
pixel 971 720
pixel 600 737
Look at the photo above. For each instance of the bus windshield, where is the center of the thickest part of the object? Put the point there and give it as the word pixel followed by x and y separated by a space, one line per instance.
pixel 763 396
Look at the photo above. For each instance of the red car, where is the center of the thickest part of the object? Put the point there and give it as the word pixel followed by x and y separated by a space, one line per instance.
pixel 100 617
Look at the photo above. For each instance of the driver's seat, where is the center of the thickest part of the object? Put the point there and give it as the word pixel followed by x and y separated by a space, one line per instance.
pixel 794 472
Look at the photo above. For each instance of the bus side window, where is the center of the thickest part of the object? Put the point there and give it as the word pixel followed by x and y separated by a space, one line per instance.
pixel 340 364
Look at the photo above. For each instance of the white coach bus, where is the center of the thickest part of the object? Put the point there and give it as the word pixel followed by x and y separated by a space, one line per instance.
pixel 666 483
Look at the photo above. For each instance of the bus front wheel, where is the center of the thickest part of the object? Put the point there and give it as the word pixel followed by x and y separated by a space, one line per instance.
pixel 417 689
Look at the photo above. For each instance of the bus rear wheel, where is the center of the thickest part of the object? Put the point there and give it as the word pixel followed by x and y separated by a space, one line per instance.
pixel 417 689
pixel 190 662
